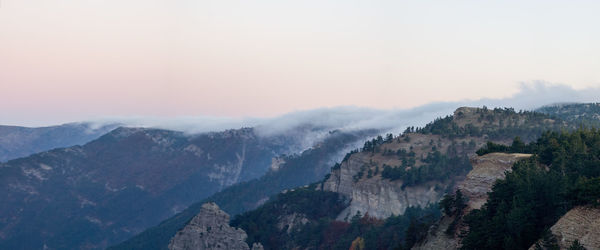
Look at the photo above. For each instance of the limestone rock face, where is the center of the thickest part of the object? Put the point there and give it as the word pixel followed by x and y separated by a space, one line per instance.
pixel 486 170
pixel 210 230
pixel 378 197
pixel 580 223
pixel 479 181
pixel 382 198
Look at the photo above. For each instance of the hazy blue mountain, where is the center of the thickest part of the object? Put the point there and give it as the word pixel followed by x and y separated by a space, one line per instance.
pixel 18 142
pixel 97 194
pixel 293 171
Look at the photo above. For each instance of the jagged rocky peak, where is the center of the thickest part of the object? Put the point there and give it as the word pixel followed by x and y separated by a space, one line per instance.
pixel 210 229
pixel 581 224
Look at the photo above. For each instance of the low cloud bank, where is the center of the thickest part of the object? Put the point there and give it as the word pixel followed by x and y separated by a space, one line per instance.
pixel 530 96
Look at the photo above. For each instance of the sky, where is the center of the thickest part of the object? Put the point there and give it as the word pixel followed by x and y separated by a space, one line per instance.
pixel 76 60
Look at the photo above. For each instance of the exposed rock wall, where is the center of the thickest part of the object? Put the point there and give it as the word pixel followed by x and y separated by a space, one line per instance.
pixel 378 197
pixel 479 181
pixel 210 230
pixel 486 170
pixel 580 223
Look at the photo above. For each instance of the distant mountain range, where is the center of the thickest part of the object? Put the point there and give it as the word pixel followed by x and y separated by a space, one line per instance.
pixel 99 193
pixel 18 142
pixel 285 173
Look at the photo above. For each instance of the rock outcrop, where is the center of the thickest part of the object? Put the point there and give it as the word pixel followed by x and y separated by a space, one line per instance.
pixel 486 170
pixel 379 197
pixel 580 223
pixel 479 181
pixel 291 221
pixel 210 230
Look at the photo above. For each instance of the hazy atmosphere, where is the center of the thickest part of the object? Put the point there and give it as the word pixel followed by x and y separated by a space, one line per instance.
pixel 299 125
pixel 64 61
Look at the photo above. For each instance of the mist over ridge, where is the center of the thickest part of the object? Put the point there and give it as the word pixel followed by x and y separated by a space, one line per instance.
pixel 349 118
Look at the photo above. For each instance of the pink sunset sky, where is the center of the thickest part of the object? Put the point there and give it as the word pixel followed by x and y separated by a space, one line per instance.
pixel 73 60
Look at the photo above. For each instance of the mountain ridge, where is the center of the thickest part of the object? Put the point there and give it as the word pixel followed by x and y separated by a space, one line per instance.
pixel 125 181
pixel 450 139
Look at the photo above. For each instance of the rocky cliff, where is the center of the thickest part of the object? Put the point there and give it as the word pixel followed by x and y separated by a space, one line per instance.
pixel 479 181
pixel 580 223
pixel 486 170
pixel 210 230
pixel 380 197
pixel 359 177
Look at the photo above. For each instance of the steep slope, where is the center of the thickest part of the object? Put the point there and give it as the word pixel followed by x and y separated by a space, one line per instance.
pixel 18 142
pixel 104 191
pixel 286 172
pixel 418 167
pixel 478 182
pixel 486 170
pixel 581 224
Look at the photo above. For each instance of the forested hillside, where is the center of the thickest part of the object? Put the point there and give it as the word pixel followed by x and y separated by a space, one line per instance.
pixel 581 114
pixel 305 219
pixel 563 173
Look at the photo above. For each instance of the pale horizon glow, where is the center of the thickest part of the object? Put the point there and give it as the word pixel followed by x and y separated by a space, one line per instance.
pixel 73 60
